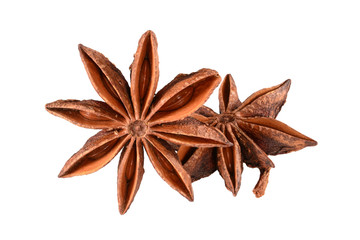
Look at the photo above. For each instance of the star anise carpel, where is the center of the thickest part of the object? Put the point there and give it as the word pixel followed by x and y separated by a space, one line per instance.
pixel 254 132
pixel 134 117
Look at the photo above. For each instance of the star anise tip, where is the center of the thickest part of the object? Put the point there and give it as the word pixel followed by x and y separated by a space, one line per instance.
pixel 149 32
pixel 312 142
pixel 48 106
pixel 124 207
pixel 189 193
pixel 287 82
pixel 54 104
pixel 51 106
pixel 258 193
pixel 190 197
pixel 122 211
pixel 81 48
pixel 228 76
pixel 309 142
pixel 84 51
pixel 62 174
pixel 230 186
pixel 65 173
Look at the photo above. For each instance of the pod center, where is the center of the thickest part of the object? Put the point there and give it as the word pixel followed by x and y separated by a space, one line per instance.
pixel 137 128
pixel 226 118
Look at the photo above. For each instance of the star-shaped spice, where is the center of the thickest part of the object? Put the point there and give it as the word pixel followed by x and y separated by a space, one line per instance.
pixel 254 132
pixel 132 118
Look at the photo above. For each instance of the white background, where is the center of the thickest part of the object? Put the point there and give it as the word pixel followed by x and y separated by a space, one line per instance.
pixel 312 194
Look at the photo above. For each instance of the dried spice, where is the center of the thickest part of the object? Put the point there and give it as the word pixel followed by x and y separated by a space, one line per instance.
pixel 132 118
pixel 254 132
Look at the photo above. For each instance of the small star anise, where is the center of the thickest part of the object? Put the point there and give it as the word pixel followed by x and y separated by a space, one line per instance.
pixel 254 132
pixel 132 118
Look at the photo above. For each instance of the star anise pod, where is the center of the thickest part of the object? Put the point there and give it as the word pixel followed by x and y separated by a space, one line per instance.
pixel 132 118
pixel 252 128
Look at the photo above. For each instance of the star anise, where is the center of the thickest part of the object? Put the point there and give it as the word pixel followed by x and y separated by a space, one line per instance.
pixel 252 128
pixel 132 118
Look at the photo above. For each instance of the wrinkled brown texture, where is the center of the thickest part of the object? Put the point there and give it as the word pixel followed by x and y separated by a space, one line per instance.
pixel 133 118
pixel 254 132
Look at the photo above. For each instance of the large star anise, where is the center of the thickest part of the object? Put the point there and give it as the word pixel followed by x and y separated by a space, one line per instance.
pixel 252 128
pixel 132 118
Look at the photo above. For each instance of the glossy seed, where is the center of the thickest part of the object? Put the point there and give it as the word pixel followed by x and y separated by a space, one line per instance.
pixel 178 100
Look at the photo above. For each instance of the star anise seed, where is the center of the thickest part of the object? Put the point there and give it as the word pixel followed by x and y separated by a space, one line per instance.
pixel 132 118
pixel 254 132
